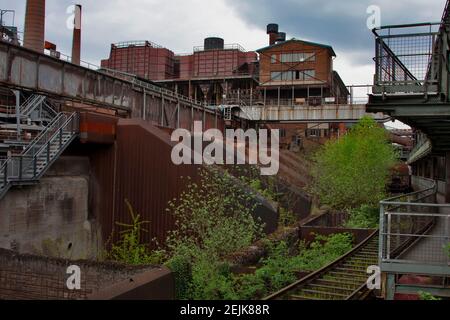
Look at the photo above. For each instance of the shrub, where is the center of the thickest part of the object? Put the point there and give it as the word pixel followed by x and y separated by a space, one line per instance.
pixel 354 169
pixel 213 219
pixel 129 248
pixel 427 296
pixel 280 269
pixel 366 217
pixel 287 217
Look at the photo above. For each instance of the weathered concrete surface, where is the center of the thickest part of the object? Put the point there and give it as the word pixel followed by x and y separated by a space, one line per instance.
pixel 51 217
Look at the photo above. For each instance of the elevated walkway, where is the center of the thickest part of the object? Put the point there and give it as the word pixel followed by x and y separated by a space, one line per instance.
pixel 342 113
pixel 414 240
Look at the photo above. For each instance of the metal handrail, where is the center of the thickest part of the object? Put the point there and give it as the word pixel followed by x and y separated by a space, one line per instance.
pixel 69 119
pixel 44 132
pixel 390 200
pixel 45 147
pixel 35 100
pixel 421 221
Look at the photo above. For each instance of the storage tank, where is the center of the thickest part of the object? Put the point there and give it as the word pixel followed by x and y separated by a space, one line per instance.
pixel 272 28
pixel 272 31
pixel 214 43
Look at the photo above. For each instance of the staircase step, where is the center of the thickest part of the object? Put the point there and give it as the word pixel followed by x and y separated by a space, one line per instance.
pixel 328 288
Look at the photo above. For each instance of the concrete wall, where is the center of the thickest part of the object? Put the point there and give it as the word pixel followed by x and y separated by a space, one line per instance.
pixel 51 218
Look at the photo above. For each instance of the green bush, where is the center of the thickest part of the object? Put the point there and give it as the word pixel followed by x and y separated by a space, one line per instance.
pixel 181 268
pixel 280 269
pixel 129 249
pixel 213 220
pixel 427 296
pixel 365 217
pixel 287 217
pixel 354 169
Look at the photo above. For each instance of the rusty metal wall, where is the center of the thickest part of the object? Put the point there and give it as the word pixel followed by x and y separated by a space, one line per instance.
pixel 137 167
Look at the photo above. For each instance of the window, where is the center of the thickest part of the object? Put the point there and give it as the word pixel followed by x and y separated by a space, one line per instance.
pixel 286 57
pixel 275 76
pixel 309 74
pixel 313 133
pixel 274 58
pixel 293 75
pixel 282 133
pixel 287 75
pixel 298 57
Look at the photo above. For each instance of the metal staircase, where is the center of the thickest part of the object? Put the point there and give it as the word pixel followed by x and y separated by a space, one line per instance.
pixel 33 102
pixel 29 166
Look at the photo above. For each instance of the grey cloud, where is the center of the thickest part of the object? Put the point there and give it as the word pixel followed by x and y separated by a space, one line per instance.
pixel 339 23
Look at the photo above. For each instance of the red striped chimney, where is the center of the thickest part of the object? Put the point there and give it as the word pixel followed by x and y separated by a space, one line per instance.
pixel 76 43
pixel 34 35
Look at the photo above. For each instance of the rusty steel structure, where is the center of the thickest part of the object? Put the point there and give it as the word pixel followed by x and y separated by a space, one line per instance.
pixel 125 94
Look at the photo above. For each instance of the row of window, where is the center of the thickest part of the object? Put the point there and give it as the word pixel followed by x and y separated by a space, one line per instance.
pixel 294 57
pixel 293 75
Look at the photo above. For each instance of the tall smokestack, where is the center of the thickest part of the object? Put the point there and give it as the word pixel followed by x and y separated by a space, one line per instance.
pixel 34 36
pixel 272 31
pixel 76 44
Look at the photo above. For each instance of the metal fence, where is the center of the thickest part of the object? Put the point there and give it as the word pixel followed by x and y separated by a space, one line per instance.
pixel 408 58
pixel 414 230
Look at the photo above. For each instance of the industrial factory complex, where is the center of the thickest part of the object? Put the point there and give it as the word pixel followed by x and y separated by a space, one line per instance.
pixel 80 144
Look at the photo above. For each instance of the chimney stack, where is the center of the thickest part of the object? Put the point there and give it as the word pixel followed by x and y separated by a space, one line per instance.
pixel 34 35
pixel 281 37
pixel 272 31
pixel 76 42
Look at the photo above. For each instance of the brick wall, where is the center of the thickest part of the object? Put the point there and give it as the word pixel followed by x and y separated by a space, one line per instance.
pixel 34 277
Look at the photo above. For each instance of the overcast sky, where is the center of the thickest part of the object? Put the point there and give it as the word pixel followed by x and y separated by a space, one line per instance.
pixel 181 24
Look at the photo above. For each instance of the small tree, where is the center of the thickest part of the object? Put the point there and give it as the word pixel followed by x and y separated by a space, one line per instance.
pixel 129 249
pixel 354 169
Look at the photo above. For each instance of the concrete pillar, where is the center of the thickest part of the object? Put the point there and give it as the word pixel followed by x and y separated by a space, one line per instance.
pixel 34 34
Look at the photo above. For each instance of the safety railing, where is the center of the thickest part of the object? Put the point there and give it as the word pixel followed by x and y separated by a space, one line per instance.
pixel 29 164
pixel 32 103
pixel 414 230
pixel 408 58
pixel 232 46
pixel 422 147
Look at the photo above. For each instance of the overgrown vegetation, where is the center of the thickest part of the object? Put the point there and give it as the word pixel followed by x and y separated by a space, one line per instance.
pixel 364 217
pixel 129 249
pixel 281 268
pixel 213 219
pixel 353 170
pixel 427 296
